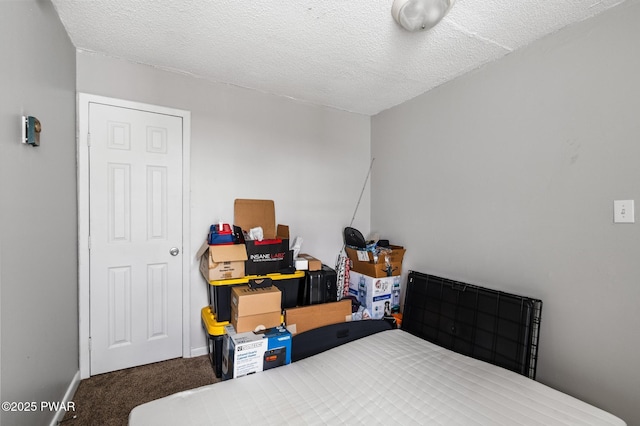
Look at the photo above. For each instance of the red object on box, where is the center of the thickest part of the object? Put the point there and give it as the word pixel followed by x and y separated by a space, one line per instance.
pixel 226 229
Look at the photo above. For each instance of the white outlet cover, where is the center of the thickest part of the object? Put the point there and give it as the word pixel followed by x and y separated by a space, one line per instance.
pixel 23 126
pixel 623 211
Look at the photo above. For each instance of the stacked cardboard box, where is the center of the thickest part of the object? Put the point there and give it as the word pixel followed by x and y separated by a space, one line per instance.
pixel 388 262
pixel 379 296
pixel 272 254
pixel 222 262
pixel 255 308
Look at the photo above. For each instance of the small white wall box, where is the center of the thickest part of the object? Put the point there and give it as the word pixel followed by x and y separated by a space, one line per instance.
pixel 623 211
pixel 31 129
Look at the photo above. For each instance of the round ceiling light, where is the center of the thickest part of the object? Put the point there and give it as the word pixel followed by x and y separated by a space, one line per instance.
pixel 417 15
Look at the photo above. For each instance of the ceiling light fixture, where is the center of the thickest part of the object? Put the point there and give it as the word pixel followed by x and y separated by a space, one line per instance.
pixel 418 15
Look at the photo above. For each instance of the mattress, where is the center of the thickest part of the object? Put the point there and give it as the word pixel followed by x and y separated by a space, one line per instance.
pixel 391 377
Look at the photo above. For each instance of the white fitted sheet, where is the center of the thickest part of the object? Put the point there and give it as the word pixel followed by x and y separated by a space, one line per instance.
pixel 390 377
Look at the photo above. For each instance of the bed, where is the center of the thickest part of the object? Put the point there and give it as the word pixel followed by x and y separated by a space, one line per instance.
pixel 464 355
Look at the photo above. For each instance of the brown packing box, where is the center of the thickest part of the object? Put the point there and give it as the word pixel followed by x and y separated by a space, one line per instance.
pixel 303 318
pixel 253 213
pixel 221 262
pixel 314 264
pixel 359 262
pixel 272 254
pixel 251 322
pixel 246 301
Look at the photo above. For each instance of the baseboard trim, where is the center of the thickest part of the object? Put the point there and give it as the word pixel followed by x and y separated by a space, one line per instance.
pixel 68 397
pixel 198 351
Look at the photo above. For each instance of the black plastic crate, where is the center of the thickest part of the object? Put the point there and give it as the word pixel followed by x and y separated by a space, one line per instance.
pixel 214 332
pixel 289 289
pixel 220 300
pixel 493 326
pixel 220 291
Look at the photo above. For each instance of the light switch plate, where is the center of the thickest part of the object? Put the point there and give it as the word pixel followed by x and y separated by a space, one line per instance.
pixel 623 211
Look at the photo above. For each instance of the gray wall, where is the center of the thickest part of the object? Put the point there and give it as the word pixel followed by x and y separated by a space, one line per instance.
pixel 506 177
pixel 38 225
pixel 311 161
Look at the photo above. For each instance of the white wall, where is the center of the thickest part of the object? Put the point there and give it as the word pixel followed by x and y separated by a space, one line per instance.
pixel 245 144
pixel 506 178
pixel 38 221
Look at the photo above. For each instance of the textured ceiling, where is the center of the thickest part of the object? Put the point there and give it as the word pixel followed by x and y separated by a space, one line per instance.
pixel 346 54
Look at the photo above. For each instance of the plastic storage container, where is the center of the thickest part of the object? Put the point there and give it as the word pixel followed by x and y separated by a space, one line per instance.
pixel 214 332
pixel 220 291
pixel 221 234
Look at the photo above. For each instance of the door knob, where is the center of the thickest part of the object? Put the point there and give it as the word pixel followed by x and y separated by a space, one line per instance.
pixel 174 251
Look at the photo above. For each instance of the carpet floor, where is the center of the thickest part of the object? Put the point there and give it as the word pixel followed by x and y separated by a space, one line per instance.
pixel 107 399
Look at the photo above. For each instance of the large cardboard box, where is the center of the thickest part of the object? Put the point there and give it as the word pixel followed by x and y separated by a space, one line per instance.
pixel 272 254
pixel 254 322
pixel 375 294
pixel 363 261
pixel 221 262
pixel 303 318
pixel 246 353
pixel 253 301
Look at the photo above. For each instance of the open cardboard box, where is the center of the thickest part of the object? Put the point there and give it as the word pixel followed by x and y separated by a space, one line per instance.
pixel 362 261
pixel 221 262
pixel 272 254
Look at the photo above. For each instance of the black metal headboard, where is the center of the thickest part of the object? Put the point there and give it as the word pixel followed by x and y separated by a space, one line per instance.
pixel 489 325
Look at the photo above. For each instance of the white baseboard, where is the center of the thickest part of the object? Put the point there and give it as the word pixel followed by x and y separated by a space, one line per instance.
pixel 198 351
pixel 68 396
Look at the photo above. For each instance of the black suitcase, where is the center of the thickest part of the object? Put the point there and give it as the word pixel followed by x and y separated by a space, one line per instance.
pixel 319 287
pixel 330 278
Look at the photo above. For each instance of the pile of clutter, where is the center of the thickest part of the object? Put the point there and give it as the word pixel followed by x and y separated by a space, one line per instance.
pixel 372 275
pixel 262 290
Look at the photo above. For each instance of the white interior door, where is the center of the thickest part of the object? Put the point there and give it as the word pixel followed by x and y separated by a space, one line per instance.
pixel 135 226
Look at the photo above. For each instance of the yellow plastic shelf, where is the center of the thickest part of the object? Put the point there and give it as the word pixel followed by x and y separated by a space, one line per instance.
pixel 215 328
pixel 245 279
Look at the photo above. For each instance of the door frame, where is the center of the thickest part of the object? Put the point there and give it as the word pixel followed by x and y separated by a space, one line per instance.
pixel 83 101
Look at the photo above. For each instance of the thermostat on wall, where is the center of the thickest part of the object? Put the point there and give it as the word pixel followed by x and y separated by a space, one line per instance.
pixel 31 128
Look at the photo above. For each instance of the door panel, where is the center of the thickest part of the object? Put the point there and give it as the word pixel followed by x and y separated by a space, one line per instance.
pixel 135 187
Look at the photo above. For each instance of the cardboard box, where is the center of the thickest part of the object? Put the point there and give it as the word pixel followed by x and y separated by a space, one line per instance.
pixel 246 353
pixel 313 264
pixel 374 293
pixel 253 322
pixel 300 264
pixel 301 319
pixel 362 261
pixel 247 301
pixel 221 262
pixel 272 254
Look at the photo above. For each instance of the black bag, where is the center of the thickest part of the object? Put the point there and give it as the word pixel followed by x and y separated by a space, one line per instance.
pixel 354 238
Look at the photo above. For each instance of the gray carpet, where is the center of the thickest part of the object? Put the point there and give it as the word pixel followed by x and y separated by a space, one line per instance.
pixel 107 399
